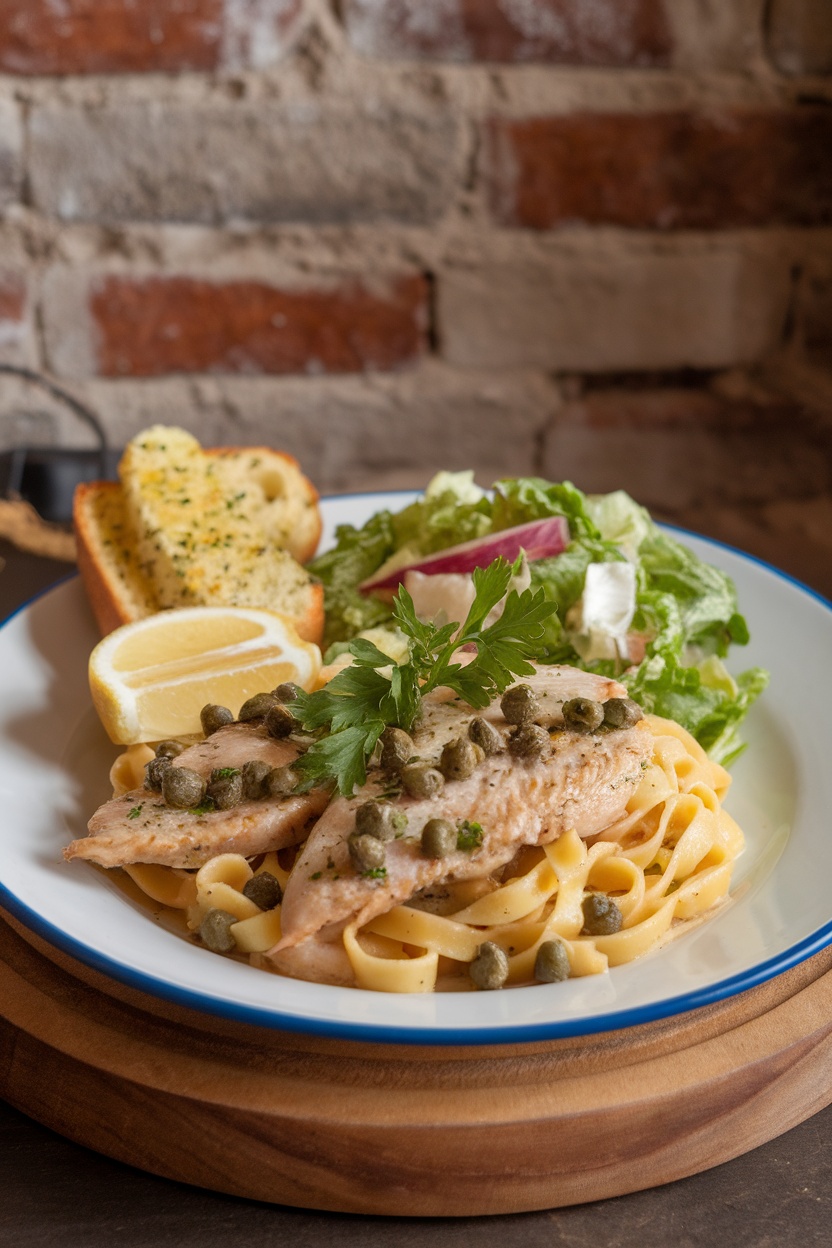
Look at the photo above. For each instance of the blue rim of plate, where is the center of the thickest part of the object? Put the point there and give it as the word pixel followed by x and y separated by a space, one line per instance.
pixel 531 1033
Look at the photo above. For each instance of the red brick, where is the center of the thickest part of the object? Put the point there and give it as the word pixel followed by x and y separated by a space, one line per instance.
pixel 121 36
pixel 557 32
pixel 12 301
pixel 17 343
pixel 153 326
pixel 338 160
pixel 663 170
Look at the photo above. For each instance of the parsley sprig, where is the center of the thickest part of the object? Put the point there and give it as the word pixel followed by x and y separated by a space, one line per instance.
pixel 351 712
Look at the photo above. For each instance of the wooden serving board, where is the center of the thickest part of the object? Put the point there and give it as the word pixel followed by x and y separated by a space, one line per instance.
pixel 387 1129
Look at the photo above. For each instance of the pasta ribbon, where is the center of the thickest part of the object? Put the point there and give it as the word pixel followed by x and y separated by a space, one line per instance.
pixel 514 900
pixel 258 933
pixel 170 886
pixel 127 772
pixel 219 885
pixel 390 974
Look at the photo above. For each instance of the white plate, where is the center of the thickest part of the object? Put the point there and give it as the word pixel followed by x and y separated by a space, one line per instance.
pixel 54 760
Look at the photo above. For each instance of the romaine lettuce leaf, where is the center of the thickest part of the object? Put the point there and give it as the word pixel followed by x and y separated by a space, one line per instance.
pixel 452 510
pixel 356 555
pixel 705 595
pixel 520 499
pixel 620 520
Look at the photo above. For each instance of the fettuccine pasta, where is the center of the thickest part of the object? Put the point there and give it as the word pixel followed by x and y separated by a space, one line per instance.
pixel 665 863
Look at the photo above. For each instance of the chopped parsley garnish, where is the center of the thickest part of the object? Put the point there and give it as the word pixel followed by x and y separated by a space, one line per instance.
pixel 469 836
pixel 375 873
pixel 135 812
pixel 359 702
pixel 204 808
pixel 225 773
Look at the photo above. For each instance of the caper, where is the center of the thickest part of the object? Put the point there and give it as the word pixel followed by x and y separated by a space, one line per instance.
pixel 225 791
pixel 438 838
pixel 254 774
pixel 182 787
pixel 213 717
pixel 551 966
pixel 380 820
pixel 485 735
pixel 520 705
pixel 215 930
pixel 583 714
pixel 421 780
pixel 622 712
pixel 287 692
pixel 280 721
pixel 460 759
pixel 489 968
pixel 280 782
pixel 169 749
pixel 264 890
pixel 154 771
pixel 529 741
pixel 601 915
pixel 366 852
pixel 396 748
pixel 256 707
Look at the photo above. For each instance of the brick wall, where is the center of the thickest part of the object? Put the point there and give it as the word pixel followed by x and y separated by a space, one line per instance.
pixel 591 239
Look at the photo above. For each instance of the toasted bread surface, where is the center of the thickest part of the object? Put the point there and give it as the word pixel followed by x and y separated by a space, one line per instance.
pixel 189 527
pixel 283 499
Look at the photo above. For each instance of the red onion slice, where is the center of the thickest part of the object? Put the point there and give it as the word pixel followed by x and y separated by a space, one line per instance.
pixel 538 539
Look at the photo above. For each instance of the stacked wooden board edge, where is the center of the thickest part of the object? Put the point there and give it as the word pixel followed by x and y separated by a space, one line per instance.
pixel 403 1130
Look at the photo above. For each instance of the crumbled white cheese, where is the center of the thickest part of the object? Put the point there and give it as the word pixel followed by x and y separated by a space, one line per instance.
pixel 600 621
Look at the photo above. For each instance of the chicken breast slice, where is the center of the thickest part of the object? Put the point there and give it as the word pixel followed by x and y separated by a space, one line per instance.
pixel 140 827
pixel 584 784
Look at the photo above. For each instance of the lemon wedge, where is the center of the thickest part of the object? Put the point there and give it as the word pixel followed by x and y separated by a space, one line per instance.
pixel 149 679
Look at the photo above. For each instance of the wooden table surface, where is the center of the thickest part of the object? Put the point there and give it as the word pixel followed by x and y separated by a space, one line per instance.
pixel 55 1192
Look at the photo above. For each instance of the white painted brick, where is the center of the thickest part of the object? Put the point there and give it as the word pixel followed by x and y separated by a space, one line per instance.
pixel 353 431
pixel 350 432
pixel 11 153
pixel 256 33
pixel 313 161
pixel 68 330
pixel 123 408
pixel 606 308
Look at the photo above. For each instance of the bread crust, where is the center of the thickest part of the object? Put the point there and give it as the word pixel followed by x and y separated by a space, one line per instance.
pixel 311 625
pixel 117 590
pixel 103 585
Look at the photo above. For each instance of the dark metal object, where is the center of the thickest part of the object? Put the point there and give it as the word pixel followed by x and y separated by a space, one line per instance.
pixel 46 476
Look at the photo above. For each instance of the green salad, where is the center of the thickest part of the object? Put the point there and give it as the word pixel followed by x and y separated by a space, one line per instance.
pixel 632 602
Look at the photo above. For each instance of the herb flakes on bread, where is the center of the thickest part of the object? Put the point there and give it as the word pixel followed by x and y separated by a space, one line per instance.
pixel 192 527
